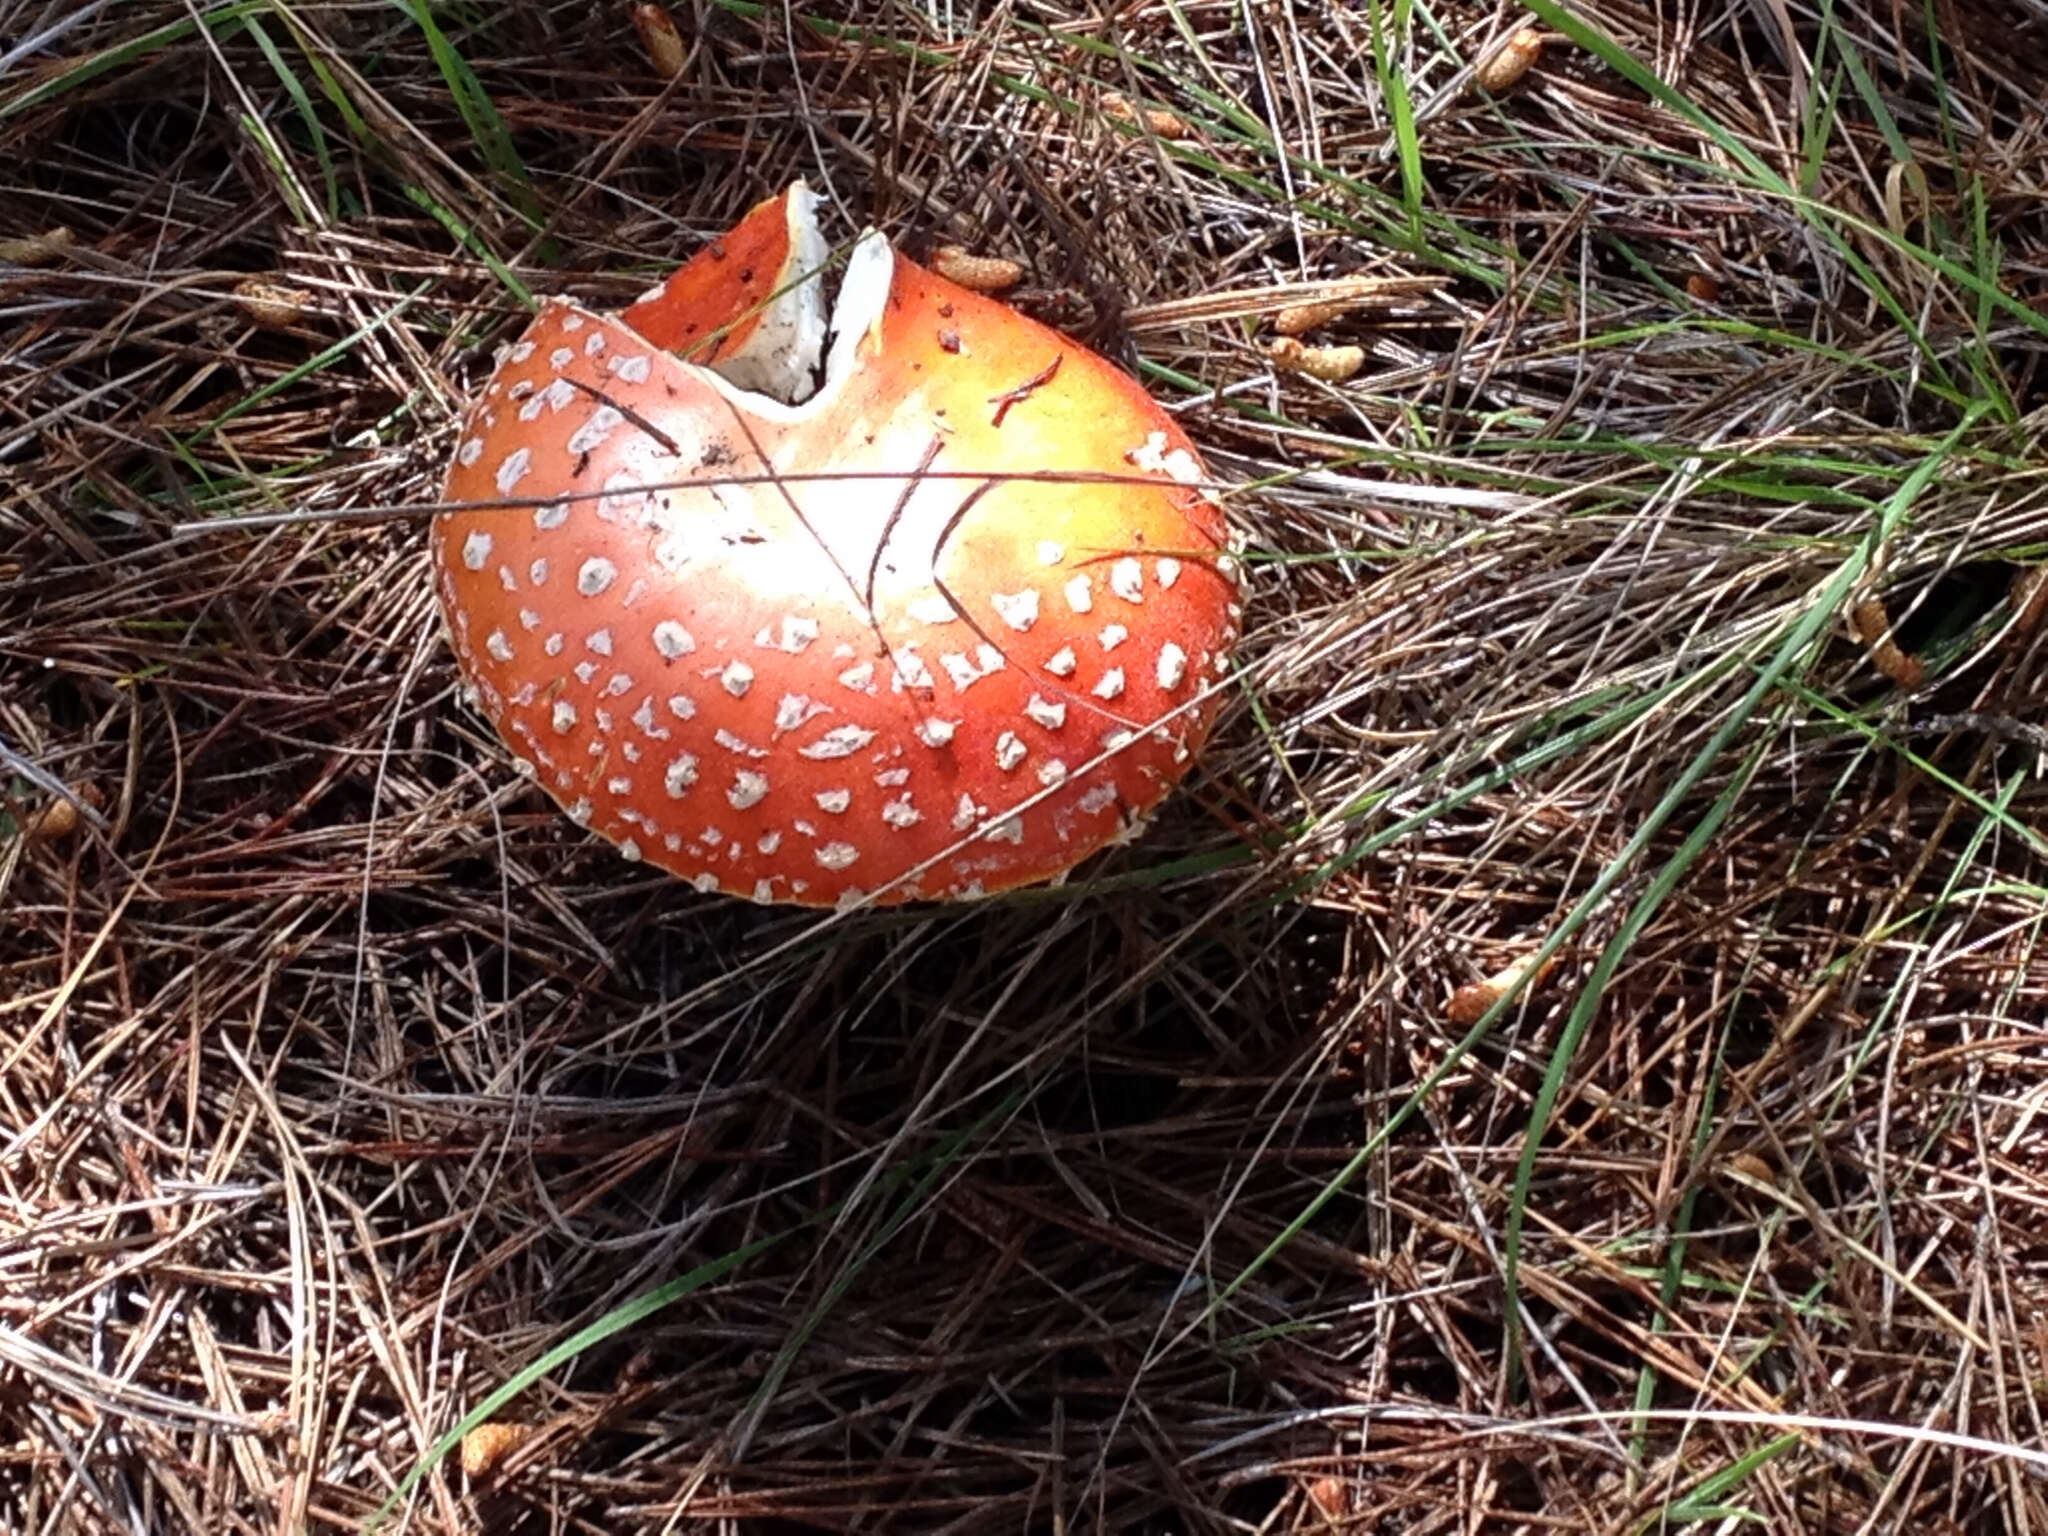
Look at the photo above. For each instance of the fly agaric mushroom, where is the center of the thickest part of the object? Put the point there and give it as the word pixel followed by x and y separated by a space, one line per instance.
pixel 946 626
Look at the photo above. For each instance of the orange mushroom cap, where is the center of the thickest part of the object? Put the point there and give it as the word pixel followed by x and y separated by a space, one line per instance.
pixel 945 628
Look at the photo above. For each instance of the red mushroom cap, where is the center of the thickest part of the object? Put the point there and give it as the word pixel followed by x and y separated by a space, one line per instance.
pixel 945 628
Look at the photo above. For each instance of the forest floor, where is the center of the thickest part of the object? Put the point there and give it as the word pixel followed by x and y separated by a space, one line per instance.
pixel 1653 623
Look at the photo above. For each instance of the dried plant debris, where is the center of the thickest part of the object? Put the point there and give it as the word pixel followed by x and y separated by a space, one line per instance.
pixel 342 1079
pixel 1872 622
pixel 979 274
pixel 1333 365
pixel 274 306
pixel 661 40
pixel 1163 121
pixel 485 1446
pixel 1514 58
pixel 1300 319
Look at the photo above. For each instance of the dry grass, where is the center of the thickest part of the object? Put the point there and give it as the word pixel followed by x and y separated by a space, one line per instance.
pixel 341 1080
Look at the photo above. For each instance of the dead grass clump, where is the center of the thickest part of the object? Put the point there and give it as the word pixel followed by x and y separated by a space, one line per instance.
pixel 346 1089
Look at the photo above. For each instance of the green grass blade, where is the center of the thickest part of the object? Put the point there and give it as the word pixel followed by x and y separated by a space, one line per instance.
pixel 613 1322
pixel 1811 627
pixel 479 113
pixel 302 100
pixel 224 21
